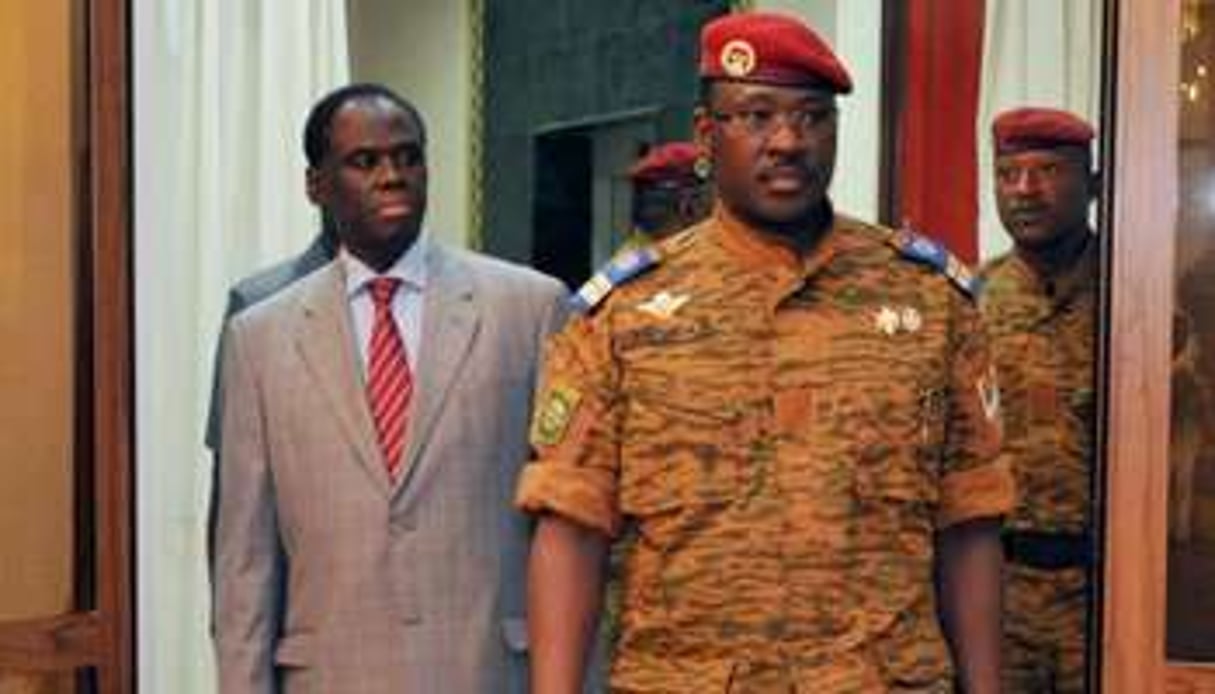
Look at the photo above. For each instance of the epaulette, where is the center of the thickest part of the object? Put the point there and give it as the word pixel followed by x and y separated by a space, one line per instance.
pixel 621 268
pixel 925 250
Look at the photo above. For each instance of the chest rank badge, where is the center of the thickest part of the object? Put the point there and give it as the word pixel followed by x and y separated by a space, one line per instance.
pixel 619 269
pixel 890 320
pixel 663 304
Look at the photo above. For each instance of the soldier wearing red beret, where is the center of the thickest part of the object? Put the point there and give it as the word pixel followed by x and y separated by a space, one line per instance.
pixel 788 413
pixel 1040 302
pixel 668 194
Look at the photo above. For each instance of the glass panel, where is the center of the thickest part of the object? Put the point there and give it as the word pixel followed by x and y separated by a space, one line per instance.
pixel 1191 567
pixel 1039 260
pixel 44 682
pixel 37 221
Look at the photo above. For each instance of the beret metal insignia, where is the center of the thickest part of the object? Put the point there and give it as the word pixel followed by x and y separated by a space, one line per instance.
pixel 737 58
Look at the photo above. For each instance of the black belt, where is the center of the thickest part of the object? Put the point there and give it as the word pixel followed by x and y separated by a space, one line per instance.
pixel 1051 551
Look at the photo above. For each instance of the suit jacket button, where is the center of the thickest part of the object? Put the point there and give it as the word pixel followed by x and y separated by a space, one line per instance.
pixel 404 524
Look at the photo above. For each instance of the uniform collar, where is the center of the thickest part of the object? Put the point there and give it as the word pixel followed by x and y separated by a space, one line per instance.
pixel 760 250
pixel 1062 286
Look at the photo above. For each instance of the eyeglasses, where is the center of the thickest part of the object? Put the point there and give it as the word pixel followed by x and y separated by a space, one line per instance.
pixel 762 122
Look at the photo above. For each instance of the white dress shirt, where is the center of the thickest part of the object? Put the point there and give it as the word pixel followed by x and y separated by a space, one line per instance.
pixel 410 268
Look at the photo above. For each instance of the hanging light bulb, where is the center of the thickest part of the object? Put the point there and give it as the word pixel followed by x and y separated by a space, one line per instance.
pixel 1192 78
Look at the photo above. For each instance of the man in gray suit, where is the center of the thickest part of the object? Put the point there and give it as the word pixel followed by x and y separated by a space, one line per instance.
pixel 245 293
pixel 366 541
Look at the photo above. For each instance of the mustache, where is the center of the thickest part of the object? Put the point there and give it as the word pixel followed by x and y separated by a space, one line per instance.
pixel 786 168
pixel 1026 208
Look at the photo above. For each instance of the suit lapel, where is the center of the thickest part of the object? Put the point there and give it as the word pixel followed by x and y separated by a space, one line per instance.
pixel 450 321
pixel 325 341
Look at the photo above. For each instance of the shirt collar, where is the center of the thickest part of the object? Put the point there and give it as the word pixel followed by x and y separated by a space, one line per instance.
pixel 410 268
pixel 1082 275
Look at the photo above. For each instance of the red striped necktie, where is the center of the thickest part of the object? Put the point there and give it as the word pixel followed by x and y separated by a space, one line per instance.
pixel 389 381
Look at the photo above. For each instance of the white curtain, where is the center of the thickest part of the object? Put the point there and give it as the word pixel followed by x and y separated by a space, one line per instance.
pixel 222 88
pixel 854 29
pixel 1041 53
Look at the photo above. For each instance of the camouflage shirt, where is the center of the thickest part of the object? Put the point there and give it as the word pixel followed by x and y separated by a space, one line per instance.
pixel 783 436
pixel 1042 334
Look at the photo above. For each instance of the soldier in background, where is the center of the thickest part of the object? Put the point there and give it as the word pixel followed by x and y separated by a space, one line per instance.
pixel 668 193
pixel 792 409
pixel 1040 304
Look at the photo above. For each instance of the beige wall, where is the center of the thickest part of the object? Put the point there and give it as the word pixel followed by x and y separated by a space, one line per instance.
pixel 35 309
pixel 422 50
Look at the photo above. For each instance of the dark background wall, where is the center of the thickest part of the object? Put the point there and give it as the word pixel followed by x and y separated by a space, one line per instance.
pixel 554 62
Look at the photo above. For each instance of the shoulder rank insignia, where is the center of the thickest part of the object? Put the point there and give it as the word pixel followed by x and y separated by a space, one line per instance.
pixel 925 250
pixel 620 269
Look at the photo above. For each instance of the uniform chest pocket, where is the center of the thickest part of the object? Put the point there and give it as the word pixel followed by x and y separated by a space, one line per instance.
pixel 892 440
pixel 686 450
pixel 650 486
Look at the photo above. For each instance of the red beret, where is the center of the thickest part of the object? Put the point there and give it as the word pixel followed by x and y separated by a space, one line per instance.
pixel 1039 128
pixel 672 162
pixel 769 48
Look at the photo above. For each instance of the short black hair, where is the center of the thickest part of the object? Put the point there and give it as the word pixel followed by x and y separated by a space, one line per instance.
pixel 320 118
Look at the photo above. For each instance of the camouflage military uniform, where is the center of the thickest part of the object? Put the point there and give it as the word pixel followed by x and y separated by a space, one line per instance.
pixel 1042 336
pixel 784 436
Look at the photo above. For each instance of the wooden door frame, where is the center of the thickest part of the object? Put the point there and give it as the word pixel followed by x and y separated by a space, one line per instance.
pixel 110 108
pixel 1141 199
pixel 99 634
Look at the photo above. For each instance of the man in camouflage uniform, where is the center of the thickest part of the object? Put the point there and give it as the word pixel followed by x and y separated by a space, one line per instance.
pixel 1040 303
pixel 669 194
pixel 795 413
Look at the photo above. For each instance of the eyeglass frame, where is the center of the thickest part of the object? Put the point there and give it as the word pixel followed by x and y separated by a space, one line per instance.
pixel 802 120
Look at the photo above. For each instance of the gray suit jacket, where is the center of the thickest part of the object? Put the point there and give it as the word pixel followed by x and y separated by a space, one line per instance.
pixel 331 578
pixel 245 293
pixel 253 289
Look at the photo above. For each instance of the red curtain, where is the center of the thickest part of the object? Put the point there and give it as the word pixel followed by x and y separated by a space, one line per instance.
pixel 937 157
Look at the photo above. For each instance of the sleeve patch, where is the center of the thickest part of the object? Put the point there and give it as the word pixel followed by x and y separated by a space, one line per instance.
pixel 553 418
